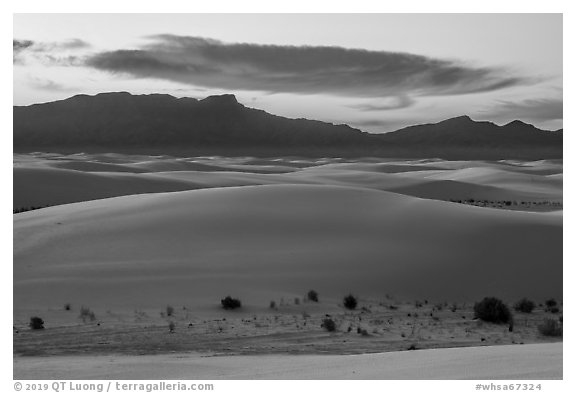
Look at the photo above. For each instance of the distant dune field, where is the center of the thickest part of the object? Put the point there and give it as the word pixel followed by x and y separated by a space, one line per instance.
pixel 51 179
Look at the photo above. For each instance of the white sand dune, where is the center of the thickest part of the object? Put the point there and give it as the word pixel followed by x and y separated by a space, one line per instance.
pixel 511 362
pixel 45 179
pixel 437 184
pixel 51 186
pixel 262 242
pixel 91 166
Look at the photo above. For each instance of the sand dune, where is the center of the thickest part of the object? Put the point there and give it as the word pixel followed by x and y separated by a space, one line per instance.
pixel 85 177
pixel 518 362
pixel 51 186
pixel 265 241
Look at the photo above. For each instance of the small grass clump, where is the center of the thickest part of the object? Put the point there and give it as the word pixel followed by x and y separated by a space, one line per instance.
pixel 350 302
pixel 312 296
pixel 36 323
pixel 524 306
pixel 362 332
pixel 229 303
pixel 329 324
pixel 87 315
pixel 550 328
pixel 551 304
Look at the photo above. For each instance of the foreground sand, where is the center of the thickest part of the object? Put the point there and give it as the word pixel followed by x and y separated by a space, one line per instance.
pixel 535 361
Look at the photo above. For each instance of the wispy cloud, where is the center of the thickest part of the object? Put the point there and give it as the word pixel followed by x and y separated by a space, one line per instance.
pixel 537 110
pixel 300 69
pixel 47 52
pixel 385 104
pixel 18 46
pixel 48 85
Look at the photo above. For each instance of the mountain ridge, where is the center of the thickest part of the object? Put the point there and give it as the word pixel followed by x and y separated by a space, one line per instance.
pixel 122 122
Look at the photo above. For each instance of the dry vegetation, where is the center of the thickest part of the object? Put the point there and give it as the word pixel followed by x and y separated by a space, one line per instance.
pixel 374 326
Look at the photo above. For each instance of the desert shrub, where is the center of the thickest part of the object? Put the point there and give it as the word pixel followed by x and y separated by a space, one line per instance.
pixel 550 303
pixel 36 323
pixel 350 302
pixel 524 305
pixel 171 327
pixel 87 315
pixel 329 324
pixel 312 296
pixel 492 309
pixel 169 310
pixel 362 332
pixel 228 303
pixel 550 327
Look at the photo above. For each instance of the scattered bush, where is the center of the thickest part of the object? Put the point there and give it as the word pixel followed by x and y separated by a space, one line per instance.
pixel 228 303
pixel 550 303
pixel 550 327
pixel 169 310
pixel 350 302
pixel 524 306
pixel 329 324
pixel 67 307
pixel 171 327
pixel 273 304
pixel 362 332
pixel 492 309
pixel 312 296
pixel 87 315
pixel 36 323
pixel 554 310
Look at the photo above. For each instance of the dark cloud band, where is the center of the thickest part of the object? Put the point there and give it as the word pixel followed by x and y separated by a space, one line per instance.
pixel 299 69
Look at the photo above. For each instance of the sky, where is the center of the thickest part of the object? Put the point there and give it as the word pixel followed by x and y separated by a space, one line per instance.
pixel 375 72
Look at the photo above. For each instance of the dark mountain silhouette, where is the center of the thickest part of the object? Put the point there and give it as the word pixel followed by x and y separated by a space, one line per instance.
pixel 163 124
pixel 461 137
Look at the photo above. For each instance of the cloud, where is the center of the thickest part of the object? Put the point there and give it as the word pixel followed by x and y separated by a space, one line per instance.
pixel 299 69
pixel 538 110
pixel 74 43
pixel 47 52
pixel 48 85
pixel 18 46
pixel 392 103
